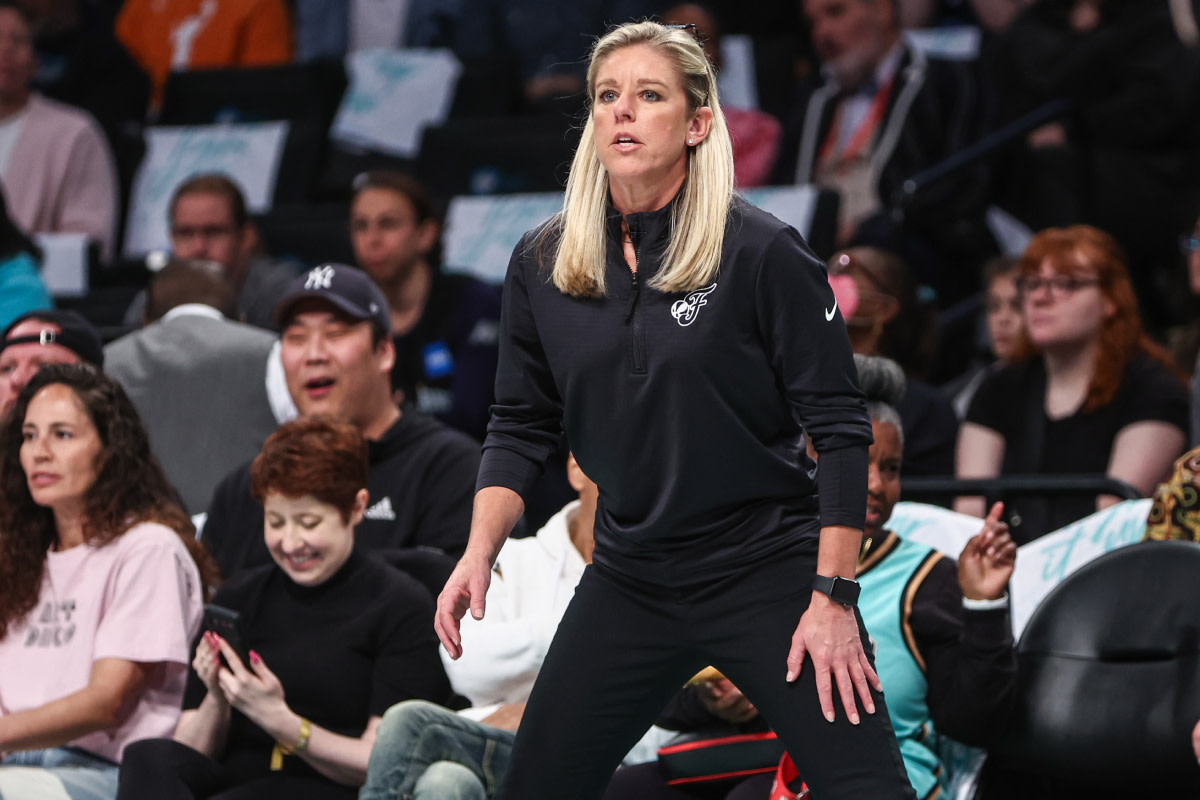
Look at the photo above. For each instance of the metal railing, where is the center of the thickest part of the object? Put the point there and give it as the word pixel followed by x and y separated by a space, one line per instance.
pixel 1090 484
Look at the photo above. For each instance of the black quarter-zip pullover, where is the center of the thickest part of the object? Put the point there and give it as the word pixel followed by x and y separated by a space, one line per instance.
pixel 688 409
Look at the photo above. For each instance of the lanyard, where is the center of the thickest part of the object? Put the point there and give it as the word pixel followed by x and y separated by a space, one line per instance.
pixel 863 134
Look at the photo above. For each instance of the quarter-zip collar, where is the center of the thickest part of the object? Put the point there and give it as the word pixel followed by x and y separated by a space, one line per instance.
pixel 650 232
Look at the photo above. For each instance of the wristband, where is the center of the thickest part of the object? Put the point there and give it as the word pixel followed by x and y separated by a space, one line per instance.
pixel 281 750
pixel 986 605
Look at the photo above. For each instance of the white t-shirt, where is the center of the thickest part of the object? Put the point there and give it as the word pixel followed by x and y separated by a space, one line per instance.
pixel 137 598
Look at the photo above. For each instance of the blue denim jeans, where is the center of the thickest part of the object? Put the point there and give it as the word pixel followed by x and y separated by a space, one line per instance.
pixel 425 752
pixel 81 775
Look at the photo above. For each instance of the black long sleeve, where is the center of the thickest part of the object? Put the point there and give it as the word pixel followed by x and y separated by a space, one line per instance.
pixel 971 666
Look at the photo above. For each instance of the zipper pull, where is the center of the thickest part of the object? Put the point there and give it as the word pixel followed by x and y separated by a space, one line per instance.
pixel 633 300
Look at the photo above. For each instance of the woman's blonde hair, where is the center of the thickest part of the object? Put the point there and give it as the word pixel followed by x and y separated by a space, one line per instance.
pixel 693 254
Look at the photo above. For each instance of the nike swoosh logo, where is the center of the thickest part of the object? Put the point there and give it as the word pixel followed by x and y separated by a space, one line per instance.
pixel 829 312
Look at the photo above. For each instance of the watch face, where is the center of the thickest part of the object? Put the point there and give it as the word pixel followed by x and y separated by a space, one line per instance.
pixel 845 591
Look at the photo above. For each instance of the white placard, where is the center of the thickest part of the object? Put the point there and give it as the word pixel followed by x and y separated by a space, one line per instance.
pixel 1041 564
pixel 1010 233
pixel 737 82
pixel 960 43
pixel 481 232
pixel 64 263
pixel 393 95
pixel 794 205
pixel 942 529
pixel 248 153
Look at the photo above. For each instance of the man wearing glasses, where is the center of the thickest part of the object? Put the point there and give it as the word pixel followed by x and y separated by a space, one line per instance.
pixel 209 222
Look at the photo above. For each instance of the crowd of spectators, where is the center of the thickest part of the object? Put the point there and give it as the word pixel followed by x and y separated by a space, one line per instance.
pixel 1032 302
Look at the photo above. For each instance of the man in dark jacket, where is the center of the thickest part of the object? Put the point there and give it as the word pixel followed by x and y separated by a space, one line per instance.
pixel 881 112
pixel 337 357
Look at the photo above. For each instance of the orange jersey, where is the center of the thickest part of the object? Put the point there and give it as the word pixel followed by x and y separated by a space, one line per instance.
pixel 166 35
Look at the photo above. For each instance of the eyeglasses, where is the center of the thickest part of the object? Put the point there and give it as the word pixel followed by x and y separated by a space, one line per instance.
pixel 690 27
pixel 1189 244
pixel 1060 286
pixel 201 231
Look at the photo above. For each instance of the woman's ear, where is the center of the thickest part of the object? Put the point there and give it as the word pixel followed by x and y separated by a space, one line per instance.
pixel 700 125
pixel 360 507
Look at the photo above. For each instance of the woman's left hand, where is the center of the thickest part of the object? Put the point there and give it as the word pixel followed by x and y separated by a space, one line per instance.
pixel 253 690
pixel 828 634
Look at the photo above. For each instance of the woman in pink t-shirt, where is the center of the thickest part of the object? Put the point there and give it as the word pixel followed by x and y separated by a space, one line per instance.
pixel 101 587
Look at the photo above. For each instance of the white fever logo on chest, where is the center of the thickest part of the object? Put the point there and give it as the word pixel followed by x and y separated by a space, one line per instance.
pixel 685 311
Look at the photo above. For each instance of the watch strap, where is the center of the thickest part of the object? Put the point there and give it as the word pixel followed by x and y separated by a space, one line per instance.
pixel 839 589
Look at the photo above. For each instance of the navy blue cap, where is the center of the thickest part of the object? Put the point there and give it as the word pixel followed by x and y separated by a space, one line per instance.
pixel 349 289
pixel 76 334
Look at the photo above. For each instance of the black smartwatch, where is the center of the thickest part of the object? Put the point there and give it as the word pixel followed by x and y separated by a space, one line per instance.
pixel 840 590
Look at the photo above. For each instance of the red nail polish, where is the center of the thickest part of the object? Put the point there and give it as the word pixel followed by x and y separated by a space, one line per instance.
pixel 255 658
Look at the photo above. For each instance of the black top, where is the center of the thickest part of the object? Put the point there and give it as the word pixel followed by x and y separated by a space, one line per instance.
pixel 1076 444
pixel 345 651
pixel 930 430
pixel 421 484
pixel 446 365
pixel 686 408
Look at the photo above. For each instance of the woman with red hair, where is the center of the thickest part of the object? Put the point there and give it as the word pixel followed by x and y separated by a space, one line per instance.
pixel 1088 391
pixel 335 638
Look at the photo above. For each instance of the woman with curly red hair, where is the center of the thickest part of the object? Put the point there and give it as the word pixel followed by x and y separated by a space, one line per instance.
pixel 1088 391
pixel 101 584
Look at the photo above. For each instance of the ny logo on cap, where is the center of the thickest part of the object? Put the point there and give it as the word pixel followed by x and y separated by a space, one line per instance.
pixel 319 278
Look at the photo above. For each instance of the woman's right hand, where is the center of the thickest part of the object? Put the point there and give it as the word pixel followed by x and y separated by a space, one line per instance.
pixel 207 664
pixel 465 589
pixel 985 565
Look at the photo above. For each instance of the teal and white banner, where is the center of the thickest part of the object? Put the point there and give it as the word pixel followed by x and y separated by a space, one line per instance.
pixel 1041 564
pixel 393 96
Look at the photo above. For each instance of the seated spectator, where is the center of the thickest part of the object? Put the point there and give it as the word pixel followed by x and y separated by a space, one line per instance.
pixel 430 753
pixel 193 369
pixel 444 326
pixel 57 170
pixel 337 357
pixel 1003 319
pixel 548 40
pixel 335 638
pixel 21 287
pixel 48 336
pixel 884 316
pixel 881 112
pixel 81 63
pixel 203 34
pixel 1088 391
pixel 755 134
pixel 1123 158
pixel 943 644
pixel 100 587
pixel 1175 512
pixel 209 222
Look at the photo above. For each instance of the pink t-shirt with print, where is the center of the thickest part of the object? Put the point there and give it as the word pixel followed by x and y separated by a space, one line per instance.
pixel 137 598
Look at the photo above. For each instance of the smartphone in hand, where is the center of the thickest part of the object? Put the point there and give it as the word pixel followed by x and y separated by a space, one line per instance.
pixel 226 623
